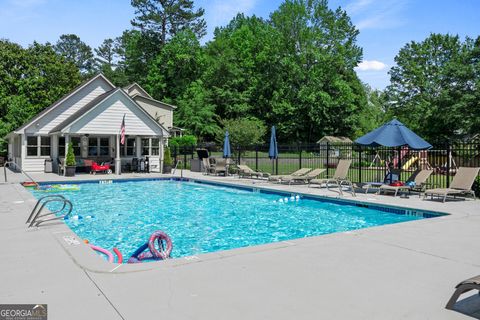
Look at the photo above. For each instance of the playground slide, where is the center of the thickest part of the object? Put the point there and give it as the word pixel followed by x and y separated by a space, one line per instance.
pixel 410 161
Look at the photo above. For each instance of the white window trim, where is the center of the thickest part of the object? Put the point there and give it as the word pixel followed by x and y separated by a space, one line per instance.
pixel 39 146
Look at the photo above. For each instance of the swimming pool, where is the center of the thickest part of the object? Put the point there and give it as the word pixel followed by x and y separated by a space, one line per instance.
pixel 203 218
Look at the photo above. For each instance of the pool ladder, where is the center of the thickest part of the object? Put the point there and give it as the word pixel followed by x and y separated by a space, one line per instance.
pixel 34 220
pixel 175 169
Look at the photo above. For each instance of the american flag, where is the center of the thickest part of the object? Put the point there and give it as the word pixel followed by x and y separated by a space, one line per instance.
pixel 122 131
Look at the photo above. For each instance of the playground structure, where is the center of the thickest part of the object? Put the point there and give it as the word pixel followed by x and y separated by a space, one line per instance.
pixel 409 159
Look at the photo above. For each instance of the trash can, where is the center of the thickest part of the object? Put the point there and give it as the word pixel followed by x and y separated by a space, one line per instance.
pixel 195 165
pixel 48 165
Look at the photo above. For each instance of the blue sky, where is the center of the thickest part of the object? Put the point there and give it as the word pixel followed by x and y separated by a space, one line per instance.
pixel 385 25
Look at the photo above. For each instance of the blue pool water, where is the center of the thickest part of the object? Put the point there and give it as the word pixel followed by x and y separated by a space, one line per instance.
pixel 203 218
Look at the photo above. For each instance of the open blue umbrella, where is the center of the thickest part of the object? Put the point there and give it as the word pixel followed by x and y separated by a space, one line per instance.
pixel 227 153
pixel 273 150
pixel 393 134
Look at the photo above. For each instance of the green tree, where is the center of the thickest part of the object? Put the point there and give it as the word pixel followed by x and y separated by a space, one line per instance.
pixel 30 80
pixel 106 52
pixel 318 91
pixel 75 50
pixel 180 62
pixel 195 113
pixel 243 131
pixel 373 113
pixel 163 19
pixel 242 65
pixel 434 87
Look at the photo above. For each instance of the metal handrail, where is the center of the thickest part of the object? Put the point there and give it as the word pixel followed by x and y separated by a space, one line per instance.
pixel 18 167
pixel 35 214
pixel 175 169
pixel 59 196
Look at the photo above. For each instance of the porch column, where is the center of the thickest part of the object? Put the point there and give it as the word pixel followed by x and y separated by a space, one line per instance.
pixel 138 147
pixel 54 151
pixel 118 161
pixel 162 144
pixel 67 141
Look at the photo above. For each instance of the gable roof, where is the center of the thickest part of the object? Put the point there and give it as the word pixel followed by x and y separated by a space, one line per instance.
pixel 139 88
pixel 92 104
pixel 95 103
pixel 62 99
pixel 138 96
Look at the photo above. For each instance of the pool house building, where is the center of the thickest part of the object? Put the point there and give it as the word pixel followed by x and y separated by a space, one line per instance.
pixel 90 117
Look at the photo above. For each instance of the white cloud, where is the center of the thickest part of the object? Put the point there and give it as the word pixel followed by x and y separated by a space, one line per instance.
pixel 357 6
pixel 377 14
pixel 371 65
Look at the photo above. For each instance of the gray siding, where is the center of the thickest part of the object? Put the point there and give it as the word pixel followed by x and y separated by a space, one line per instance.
pixel 69 106
pixel 106 118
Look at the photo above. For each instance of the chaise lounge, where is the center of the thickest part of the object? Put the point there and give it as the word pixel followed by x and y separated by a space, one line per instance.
pixel 306 178
pixel 418 179
pixel 461 288
pixel 339 178
pixel 299 172
pixel 461 185
pixel 245 171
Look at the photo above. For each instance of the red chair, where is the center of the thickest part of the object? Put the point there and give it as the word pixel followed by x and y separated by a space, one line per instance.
pixel 103 168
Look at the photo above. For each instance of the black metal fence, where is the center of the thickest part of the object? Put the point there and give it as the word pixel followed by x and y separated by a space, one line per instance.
pixel 368 164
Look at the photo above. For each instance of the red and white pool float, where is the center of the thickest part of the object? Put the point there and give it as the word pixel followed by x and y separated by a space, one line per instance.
pixel 162 253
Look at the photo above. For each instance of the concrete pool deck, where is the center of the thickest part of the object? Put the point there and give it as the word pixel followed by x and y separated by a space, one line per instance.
pixel 400 271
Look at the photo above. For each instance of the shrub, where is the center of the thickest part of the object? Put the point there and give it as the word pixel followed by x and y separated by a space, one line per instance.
pixel 167 158
pixel 70 160
pixel 185 141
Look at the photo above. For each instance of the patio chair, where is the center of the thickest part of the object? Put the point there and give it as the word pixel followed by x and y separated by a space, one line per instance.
pixel 297 173
pixel 461 185
pixel 208 168
pixel 416 182
pixel 61 166
pixel 339 178
pixel 220 166
pixel 246 171
pixel 461 288
pixel 306 178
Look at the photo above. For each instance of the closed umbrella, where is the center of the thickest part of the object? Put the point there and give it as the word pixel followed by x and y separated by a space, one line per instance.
pixel 227 153
pixel 273 149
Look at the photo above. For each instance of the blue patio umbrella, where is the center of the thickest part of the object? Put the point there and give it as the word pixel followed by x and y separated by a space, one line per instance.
pixel 227 152
pixel 273 150
pixel 393 134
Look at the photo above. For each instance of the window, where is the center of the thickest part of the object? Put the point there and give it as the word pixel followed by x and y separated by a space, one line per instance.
pixel 32 146
pixel 38 146
pixel 92 147
pixel 145 147
pixel 45 146
pixel 104 146
pixel 61 147
pixel 131 146
pixel 76 145
pixel 155 148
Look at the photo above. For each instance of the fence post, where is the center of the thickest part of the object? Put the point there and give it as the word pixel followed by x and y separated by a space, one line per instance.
pixel 256 157
pixel 276 166
pixel 238 156
pixel 448 163
pixel 184 157
pixel 359 163
pixel 328 158
pixel 299 156
pixel 175 154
